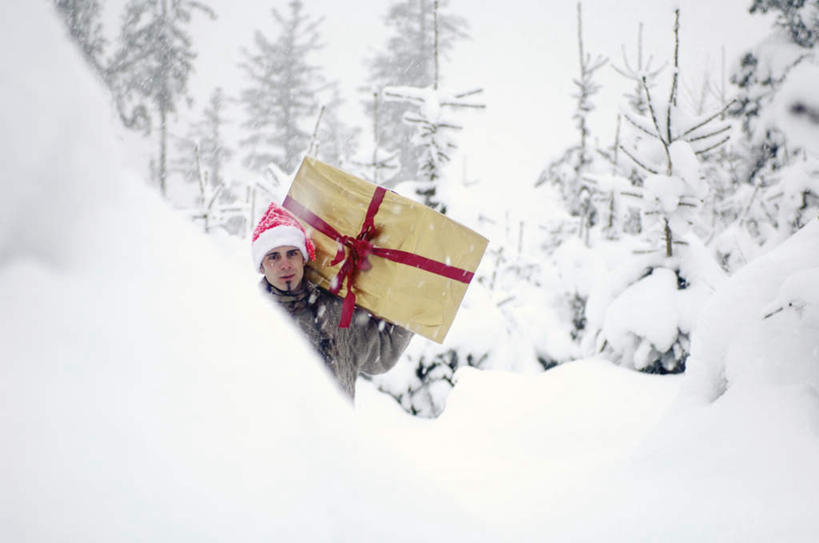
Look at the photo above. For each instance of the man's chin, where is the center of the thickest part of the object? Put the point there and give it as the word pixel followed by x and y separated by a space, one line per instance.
pixel 287 284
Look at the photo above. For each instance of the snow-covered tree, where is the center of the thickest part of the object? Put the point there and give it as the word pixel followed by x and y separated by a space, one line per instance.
pixel 799 18
pixel 674 267
pixel 575 178
pixel 634 70
pixel 578 191
pixel 777 191
pixel 154 61
pixel 409 59
pixel 281 100
pixel 83 20
pixel 203 157
pixel 334 142
pixel 434 127
pixel 204 146
pixel 668 144
pixel 82 17
pixel 216 205
pixel 382 163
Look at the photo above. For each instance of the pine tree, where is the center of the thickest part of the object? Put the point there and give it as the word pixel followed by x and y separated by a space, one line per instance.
pixel 634 71
pixel 204 146
pixel 581 193
pixel 83 20
pixel 337 142
pixel 433 125
pixel 155 59
pixel 408 59
pixel 281 99
pixel 775 192
pixel 667 145
pixel 799 18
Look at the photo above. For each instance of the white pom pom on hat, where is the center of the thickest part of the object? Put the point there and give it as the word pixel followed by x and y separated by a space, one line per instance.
pixel 277 228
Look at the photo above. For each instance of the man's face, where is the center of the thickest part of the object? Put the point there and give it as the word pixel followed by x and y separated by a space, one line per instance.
pixel 284 267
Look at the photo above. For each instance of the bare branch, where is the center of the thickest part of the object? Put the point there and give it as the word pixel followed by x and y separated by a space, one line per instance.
pixel 657 125
pixel 435 45
pixel 708 120
pixel 399 96
pixel 659 133
pixel 672 100
pixel 459 104
pixel 636 125
pixel 710 134
pixel 312 149
pixel 631 194
pixel 627 73
pixel 636 161
pixel 469 93
pixel 711 148
pixel 616 142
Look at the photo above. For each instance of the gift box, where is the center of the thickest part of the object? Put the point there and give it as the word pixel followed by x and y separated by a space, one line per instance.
pixel 396 258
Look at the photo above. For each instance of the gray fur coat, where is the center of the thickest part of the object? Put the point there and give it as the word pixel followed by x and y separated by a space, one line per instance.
pixel 369 345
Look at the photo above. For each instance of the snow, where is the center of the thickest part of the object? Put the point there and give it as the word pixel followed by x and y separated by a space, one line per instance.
pixel 657 322
pixel 757 327
pixel 665 191
pixel 147 393
pixel 799 90
pixel 778 56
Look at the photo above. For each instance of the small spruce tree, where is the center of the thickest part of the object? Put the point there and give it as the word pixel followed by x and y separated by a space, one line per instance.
pixel 280 101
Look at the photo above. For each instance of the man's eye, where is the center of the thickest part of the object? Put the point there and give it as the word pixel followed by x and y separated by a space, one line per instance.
pixel 273 257
pixel 292 253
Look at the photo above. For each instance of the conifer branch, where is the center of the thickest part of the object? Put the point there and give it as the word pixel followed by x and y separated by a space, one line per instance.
pixel 637 161
pixel 435 22
pixel 657 125
pixel 710 134
pixel 672 100
pixel 468 93
pixel 712 147
pixel 708 120
pixel 638 126
pixel 461 104
pixel 312 149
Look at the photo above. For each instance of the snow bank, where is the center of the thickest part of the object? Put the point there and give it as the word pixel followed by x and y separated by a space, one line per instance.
pixel 763 325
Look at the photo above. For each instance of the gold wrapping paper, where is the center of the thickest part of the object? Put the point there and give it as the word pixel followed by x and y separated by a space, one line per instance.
pixel 419 300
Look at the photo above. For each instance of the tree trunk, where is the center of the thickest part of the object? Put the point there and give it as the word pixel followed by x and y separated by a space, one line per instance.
pixel 163 133
pixel 435 44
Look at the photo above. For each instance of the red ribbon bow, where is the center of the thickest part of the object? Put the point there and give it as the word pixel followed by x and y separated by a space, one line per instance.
pixel 356 258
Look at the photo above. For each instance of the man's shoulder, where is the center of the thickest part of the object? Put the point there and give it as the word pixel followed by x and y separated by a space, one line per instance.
pixel 322 296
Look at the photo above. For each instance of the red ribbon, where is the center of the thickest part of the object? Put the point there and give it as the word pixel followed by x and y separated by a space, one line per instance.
pixel 354 252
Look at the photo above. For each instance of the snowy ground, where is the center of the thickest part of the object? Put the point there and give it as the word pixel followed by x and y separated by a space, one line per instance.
pixel 146 393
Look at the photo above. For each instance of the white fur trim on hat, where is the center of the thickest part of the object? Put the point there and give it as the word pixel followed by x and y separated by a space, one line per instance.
pixel 278 236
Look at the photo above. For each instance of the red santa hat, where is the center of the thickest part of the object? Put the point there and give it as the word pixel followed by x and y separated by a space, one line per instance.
pixel 277 228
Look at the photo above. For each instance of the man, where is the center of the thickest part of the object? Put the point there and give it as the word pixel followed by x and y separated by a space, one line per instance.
pixel 281 249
